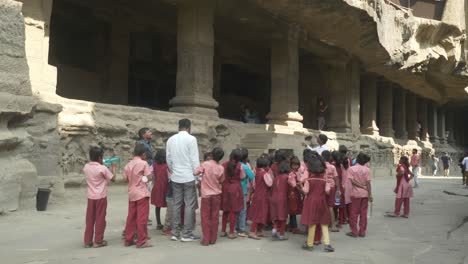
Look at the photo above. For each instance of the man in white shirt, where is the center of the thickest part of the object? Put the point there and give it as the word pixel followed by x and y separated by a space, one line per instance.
pixel 182 160
pixel 322 141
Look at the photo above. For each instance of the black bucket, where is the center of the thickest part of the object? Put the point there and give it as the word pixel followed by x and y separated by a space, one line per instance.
pixel 42 198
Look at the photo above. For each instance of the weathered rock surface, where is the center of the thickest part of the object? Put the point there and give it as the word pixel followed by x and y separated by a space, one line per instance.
pixel 29 142
pixel 425 56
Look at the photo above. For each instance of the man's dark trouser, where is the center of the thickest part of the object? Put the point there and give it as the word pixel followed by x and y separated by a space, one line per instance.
pixel 183 193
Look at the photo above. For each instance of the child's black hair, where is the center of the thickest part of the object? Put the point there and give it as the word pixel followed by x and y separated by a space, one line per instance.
pixel 280 155
pixel 263 162
pixel 139 150
pixel 326 155
pixel 245 155
pixel 284 168
pixel 217 154
pixel 235 157
pixel 295 161
pixel 405 160
pixel 207 156
pixel 142 131
pixel 160 157
pixel 323 138
pixel 316 164
pixel 95 153
pixel 343 149
pixel 362 158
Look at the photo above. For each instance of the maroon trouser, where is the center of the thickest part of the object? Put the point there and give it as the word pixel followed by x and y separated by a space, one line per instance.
pixel 399 202
pixel 210 217
pixel 232 221
pixel 138 212
pixel 280 225
pixel 95 221
pixel 358 209
pixel 256 227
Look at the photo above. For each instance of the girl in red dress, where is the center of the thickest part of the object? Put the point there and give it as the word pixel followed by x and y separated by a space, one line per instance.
pixel 232 195
pixel 258 210
pixel 279 201
pixel 160 187
pixel 403 189
pixel 315 210
pixel 294 195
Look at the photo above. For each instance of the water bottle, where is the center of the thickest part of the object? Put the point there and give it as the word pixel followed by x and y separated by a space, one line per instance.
pixel 109 161
pixel 337 198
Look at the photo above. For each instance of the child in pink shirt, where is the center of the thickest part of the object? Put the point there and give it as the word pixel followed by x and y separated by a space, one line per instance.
pixel 331 176
pixel 97 178
pixel 211 184
pixel 361 194
pixel 138 173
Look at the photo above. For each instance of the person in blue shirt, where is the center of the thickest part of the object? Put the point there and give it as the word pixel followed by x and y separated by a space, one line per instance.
pixel 250 176
pixel 145 136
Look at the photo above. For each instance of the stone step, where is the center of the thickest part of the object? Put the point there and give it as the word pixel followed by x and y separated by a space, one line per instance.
pixel 259 145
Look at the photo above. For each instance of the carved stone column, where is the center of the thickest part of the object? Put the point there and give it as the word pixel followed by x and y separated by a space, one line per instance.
pixel 195 49
pixel 432 122
pixel 441 126
pixel 386 109
pixel 338 107
pixel 400 114
pixel 369 104
pixel 422 117
pixel 411 116
pixel 284 109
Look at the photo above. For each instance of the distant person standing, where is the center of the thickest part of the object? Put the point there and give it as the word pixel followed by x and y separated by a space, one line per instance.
pixel 434 165
pixel 416 168
pixel 144 138
pixel 322 109
pixel 464 167
pixel 446 160
pixel 182 160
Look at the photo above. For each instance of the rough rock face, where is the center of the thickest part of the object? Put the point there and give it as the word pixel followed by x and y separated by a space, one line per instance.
pixel 27 126
pixel 422 55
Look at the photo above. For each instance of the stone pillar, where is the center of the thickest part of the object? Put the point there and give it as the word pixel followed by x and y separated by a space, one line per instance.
pixel 441 125
pixel 338 82
pixel 369 104
pixel 450 125
pixel 386 109
pixel 400 114
pixel 354 94
pixel 411 116
pixel 432 122
pixel 117 90
pixel 284 108
pixel 422 117
pixel 43 76
pixel 453 13
pixel 195 49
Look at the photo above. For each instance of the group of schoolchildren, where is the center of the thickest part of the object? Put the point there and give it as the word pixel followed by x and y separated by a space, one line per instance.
pixel 328 189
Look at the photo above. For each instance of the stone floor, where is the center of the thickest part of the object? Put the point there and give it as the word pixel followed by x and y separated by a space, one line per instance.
pixel 55 236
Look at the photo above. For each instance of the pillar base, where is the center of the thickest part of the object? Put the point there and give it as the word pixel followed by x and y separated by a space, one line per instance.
pixel 291 119
pixel 434 139
pixel 194 105
pixel 387 132
pixel 370 131
pixel 401 135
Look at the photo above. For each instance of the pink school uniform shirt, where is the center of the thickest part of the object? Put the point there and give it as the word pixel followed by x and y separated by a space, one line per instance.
pixel 213 177
pixel 133 172
pixel 97 178
pixel 330 174
pixel 415 160
pixel 360 174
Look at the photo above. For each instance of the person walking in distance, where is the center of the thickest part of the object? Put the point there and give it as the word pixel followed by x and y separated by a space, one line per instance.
pixel 415 164
pixel 446 160
pixel 182 159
